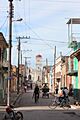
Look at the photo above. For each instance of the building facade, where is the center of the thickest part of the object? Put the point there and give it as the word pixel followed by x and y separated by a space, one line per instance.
pixel 3 66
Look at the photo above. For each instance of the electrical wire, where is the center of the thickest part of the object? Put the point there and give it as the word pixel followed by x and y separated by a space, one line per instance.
pixel 3 23
pixel 60 1
pixel 6 31
pixel 38 35
pixel 50 40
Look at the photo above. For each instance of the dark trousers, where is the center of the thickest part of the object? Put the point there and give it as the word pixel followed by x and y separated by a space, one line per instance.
pixel 56 91
pixel 36 97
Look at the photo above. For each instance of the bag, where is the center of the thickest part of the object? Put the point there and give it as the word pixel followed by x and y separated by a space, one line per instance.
pixel 64 93
pixel 61 94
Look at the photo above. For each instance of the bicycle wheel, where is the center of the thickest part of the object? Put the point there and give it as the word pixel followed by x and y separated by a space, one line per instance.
pixel 19 116
pixel 53 104
pixel 66 105
pixel 9 116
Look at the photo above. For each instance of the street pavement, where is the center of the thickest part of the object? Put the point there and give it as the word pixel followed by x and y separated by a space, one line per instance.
pixel 25 99
pixel 25 103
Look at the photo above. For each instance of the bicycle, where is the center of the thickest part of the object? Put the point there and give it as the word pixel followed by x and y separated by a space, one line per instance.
pixel 12 114
pixel 65 104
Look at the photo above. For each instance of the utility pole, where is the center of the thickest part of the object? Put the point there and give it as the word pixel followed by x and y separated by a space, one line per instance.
pixel 18 66
pixel 47 69
pixel 10 46
pixel 19 45
pixel 26 65
pixel 25 68
pixel 54 66
pixel 61 68
pixel 21 70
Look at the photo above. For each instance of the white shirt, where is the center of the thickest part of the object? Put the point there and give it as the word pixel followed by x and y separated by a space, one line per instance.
pixel 66 91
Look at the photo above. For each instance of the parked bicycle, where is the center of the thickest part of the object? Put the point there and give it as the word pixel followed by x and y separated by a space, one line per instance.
pixel 12 114
pixel 65 104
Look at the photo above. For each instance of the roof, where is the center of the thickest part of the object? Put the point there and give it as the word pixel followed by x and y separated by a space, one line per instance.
pixel 76 53
pixel 74 21
pixel 3 41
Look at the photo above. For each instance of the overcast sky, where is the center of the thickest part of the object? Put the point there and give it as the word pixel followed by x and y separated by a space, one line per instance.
pixel 44 21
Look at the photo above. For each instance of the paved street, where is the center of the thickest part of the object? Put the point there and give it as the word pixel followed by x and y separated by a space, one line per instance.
pixel 40 111
pixel 27 100
pixel 50 115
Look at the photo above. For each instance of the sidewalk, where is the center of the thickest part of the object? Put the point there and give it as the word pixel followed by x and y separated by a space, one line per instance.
pixel 72 101
pixel 13 98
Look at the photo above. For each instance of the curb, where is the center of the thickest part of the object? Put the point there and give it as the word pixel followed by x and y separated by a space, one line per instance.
pixel 13 103
pixel 16 99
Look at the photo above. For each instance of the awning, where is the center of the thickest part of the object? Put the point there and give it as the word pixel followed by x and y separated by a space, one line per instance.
pixel 74 21
pixel 76 53
pixel 73 73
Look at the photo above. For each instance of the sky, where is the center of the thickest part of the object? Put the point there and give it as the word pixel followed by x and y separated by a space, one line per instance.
pixel 45 22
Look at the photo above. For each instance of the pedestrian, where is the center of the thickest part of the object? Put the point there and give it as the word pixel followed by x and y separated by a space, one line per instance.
pixel 36 93
pixel 56 88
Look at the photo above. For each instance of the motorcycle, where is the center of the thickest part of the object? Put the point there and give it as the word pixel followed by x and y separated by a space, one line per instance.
pixel 25 88
pixel 12 114
pixel 45 92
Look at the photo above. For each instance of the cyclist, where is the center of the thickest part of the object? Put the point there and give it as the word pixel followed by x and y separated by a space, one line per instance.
pixel 66 91
pixel 61 94
pixel 66 97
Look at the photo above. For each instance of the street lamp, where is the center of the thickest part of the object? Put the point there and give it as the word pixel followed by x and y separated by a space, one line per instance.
pixel 20 19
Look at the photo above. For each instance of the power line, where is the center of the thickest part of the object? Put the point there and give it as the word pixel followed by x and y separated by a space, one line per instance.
pixel 3 23
pixel 61 42
pixel 49 40
pixel 38 36
pixel 60 1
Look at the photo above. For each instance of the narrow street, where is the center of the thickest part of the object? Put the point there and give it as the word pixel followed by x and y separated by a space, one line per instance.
pixel 41 111
pixel 27 100
pixel 40 48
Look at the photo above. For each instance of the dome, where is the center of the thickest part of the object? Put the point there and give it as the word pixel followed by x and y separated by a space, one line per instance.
pixel 39 55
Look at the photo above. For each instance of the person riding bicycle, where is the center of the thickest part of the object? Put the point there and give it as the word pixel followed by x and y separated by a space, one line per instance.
pixel 61 94
pixel 64 94
pixel 36 93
